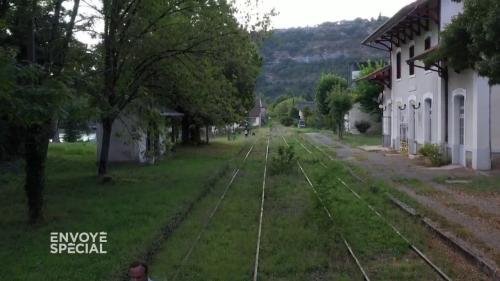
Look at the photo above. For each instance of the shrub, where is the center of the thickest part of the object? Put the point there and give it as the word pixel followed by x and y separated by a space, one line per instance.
pixel 362 126
pixel 284 161
pixel 435 154
pixel 287 121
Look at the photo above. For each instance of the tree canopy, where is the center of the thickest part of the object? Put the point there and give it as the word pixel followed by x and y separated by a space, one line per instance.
pixel 366 92
pixel 471 39
pixel 327 82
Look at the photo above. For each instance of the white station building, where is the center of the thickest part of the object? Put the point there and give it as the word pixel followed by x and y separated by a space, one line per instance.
pixel 436 105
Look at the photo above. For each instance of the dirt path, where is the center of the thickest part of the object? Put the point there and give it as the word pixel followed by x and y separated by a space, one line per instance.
pixel 479 215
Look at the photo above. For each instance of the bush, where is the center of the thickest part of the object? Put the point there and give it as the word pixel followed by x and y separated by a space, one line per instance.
pixel 435 154
pixel 284 161
pixel 362 126
pixel 287 121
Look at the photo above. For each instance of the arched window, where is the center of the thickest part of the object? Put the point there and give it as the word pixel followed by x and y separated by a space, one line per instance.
pixel 427 43
pixel 398 65
pixel 412 63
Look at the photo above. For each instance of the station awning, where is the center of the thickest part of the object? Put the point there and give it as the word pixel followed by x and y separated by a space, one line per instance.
pixel 381 76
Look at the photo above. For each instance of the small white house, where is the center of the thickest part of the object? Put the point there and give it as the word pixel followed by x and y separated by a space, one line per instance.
pixel 257 116
pixel 437 105
pixel 130 141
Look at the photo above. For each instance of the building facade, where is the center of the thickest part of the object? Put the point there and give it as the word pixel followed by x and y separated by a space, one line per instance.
pixel 257 116
pixel 433 104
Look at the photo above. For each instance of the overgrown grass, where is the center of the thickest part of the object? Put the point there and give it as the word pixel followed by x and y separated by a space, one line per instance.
pixel 478 184
pixel 132 209
pixel 226 249
pixel 381 251
pixel 361 140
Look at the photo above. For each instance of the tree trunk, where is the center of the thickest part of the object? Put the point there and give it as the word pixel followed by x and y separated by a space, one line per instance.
pixel 185 130
pixel 55 131
pixel 195 134
pixel 173 136
pixel 206 134
pixel 36 146
pixel 107 126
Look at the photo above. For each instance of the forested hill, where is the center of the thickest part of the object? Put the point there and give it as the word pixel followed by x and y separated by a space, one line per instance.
pixel 295 58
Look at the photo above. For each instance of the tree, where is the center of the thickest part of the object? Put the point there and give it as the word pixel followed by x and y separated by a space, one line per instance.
pixel 326 84
pixel 340 103
pixel 294 113
pixel 185 33
pixel 471 40
pixel 35 40
pixel 308 97
pixel 367 92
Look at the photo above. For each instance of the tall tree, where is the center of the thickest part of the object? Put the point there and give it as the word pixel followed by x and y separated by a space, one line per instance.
pixel 177 32
pixel 326 84
pixel 367 92
pixel 35 40
pixel 340 103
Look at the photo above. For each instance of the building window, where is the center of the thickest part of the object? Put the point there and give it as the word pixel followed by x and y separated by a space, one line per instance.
pixel 398 65
pixel 412 63
pixel 427 43
pixel 461 108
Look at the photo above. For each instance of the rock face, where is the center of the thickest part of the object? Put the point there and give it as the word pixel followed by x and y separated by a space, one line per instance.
pixel 295 58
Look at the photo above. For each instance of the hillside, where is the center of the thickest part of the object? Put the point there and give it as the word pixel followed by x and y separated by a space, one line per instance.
pixel 295 58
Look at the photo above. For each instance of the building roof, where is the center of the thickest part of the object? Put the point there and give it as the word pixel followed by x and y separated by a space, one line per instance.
pixel 413 17
pixel 168 112
pixel 302 105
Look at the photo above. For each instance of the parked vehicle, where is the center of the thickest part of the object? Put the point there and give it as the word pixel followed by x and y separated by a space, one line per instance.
pixel 301 124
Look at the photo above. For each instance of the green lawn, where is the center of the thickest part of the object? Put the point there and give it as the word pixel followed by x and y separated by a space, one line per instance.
pixel 132 209
pixel 298 241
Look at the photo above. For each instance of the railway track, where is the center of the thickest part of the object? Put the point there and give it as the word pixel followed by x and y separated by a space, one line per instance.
pixel 414 248
pixel 212 214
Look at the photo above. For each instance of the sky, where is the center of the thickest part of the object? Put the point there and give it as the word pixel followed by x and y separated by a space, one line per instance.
pixel 301 13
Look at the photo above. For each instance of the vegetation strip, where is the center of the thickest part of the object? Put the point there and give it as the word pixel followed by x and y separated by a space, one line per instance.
pixel 331 158
pixel 351 252
pixel 310 152
pixel 285 141
pixel 205 226
pixel 414 248
pixel 256 268
pixel 477 260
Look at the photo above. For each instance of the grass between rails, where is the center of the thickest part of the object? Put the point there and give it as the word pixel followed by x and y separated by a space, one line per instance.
pixel 226 250
pixel 374 193
pixel 132 209
pixel 299 242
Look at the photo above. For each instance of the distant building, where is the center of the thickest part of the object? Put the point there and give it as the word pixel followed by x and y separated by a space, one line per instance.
pixel 311 105
pixel 257 116
pixel 434 104
pixel 356 114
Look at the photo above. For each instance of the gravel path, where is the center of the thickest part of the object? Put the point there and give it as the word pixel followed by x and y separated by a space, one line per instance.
pixel 479 215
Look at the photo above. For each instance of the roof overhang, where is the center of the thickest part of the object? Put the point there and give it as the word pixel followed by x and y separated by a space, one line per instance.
pixel 167 112
pixel 438 66
pixel 381 76
pixel 411 20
